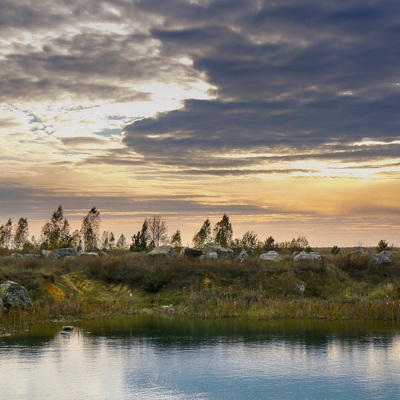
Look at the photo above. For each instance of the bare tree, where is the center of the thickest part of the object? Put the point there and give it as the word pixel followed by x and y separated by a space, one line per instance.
pixel 158 230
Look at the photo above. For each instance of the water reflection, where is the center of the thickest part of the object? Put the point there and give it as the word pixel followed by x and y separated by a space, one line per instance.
pixel 168 358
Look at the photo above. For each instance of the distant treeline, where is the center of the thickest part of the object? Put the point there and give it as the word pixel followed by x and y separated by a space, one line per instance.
pixel 56 233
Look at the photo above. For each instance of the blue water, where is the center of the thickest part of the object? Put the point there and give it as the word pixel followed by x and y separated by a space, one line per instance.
pixel 168 358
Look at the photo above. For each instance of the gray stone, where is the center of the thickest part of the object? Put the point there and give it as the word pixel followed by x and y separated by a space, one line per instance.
pixel 162 252
pixel 14 295
pixel 243 255
pixel 60 253
pixel 304 256
pixel 190 252
pixel 87 254
pixel 384 257
pixel 33 256
pixel 16 256
pixel 212 255
pixel 270 256
pixel 216 248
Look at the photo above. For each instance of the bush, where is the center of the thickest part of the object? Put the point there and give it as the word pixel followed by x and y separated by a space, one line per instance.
pixel 154 280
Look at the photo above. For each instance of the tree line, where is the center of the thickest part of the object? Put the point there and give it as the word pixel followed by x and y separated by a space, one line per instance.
pixel 56 233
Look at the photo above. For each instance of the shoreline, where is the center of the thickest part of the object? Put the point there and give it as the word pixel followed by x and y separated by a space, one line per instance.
pixel 347 286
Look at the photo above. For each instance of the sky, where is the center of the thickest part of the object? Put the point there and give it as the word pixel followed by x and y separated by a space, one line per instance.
pixel 282 114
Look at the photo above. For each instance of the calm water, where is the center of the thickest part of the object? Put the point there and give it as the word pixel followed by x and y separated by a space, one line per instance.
pixel 168 358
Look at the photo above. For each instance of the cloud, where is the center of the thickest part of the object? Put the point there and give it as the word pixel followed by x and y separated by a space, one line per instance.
pixel 288 77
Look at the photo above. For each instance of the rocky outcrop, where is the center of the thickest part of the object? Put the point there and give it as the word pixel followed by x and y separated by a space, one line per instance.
pixel 304 256
pixel 222 252
pixel 14 295
pixel 270 256
pixel 384 257
pixel 190 252
pixel 162 252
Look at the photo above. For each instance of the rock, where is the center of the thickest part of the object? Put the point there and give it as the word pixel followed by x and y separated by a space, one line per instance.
pixel 168 309
pixel 66 329
pixel 301 287
pixel 15 256
pixel 162 252
pixel 222 252
pixel 270 256
pixel 14 295
pixel 33 256
pixel 243 255
pixel 212 255
pixel 384 257
pixel 60 253
pixel 312 256
pixel 19 256
pixel 87 254
pixel 191 252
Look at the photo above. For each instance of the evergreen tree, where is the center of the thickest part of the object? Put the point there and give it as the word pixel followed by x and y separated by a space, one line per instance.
pixel 90 229
pixel 21 234
pixel 6 234
pixel 203 236
pixel 140 241
pixel 223 232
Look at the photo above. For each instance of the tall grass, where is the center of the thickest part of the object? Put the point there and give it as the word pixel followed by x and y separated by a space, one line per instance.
pixel 340 286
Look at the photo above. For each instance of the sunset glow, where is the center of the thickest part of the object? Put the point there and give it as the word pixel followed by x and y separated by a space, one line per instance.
pixel 283 115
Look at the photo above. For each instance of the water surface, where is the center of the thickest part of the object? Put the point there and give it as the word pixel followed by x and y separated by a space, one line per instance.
pixel 170 358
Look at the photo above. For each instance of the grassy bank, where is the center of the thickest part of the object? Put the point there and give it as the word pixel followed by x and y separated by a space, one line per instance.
pixel 339 287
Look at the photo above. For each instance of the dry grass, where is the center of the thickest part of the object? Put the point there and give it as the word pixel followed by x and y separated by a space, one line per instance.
pixel 343 286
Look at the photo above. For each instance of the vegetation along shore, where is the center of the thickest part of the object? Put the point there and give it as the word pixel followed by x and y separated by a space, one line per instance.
pixel 66 276
pixel 348 285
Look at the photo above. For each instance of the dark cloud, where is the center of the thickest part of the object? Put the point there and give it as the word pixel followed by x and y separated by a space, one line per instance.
pixel 289 77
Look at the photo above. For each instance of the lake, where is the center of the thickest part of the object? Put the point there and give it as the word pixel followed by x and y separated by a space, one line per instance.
pixel 148 357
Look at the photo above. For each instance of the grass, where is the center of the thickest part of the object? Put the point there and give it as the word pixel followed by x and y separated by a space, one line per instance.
pixel 345 286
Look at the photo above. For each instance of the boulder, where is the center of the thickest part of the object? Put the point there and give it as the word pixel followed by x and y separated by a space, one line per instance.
pixel 190 252
pixel 212 255
pixel 60 253
pixel 32 256
pixel 87 254
pixel 270 256
pixel 162 252
pixel 222 252
pixel 15 256
pixel 304 256
pixel 384 257
pixel 14 295
pixel 243 255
